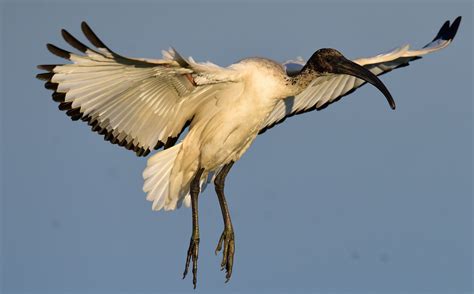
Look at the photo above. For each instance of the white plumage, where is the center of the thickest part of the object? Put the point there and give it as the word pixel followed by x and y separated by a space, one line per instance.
pixel 146 104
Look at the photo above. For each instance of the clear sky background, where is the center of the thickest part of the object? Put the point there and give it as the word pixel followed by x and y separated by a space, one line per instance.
pixel 353 199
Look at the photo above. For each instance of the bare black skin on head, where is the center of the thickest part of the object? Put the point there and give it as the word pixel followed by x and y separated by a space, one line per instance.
pixel 331 61
pixel 322 61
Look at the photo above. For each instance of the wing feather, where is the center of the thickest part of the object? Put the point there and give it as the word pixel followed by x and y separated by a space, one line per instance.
pixel 139 104
pixel 323 91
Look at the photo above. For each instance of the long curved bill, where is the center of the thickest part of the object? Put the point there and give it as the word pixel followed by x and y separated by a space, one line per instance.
pixel 348 67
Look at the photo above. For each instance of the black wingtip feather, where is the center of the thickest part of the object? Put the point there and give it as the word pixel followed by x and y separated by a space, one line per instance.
pixel 442 31
pixel 129 146
pixel 91 36
pixel 63 106
pixel 59 97
pixel 447 31
pixel 158 145
pixel 141 151
pixel 93 123
pixel 47 67
pixel 122 142
pixel 73 111
pixel 454 27
pixel 96 128
pixel 51 86
pixel 74 114
pixel 73 41
pixel 86 118
pixel 45 76
pixel 58 51
pixel 108 136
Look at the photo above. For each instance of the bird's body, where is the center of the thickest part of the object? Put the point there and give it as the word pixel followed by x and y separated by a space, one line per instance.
pixel 226 124
pixel 145 104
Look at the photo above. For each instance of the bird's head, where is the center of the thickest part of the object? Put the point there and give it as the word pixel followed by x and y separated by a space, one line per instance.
pixel 331 61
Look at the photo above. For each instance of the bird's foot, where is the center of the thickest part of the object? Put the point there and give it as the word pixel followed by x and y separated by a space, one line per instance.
pixel 193 252
pixel 227 241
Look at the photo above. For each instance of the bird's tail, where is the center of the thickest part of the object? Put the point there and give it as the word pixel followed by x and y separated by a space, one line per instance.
pixel 158 180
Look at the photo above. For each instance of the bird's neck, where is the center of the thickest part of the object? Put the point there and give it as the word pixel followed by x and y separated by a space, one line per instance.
pixel 296 84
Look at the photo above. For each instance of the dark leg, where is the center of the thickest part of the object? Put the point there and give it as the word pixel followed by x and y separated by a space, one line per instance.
pixel 227 237
pixel 193 250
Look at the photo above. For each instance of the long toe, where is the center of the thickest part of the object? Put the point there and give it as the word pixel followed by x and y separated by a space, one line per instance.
pixel 193 252
pixel 230 260
pixel 227 244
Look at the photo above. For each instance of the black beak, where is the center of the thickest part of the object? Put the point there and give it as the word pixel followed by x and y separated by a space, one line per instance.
pixel 348 67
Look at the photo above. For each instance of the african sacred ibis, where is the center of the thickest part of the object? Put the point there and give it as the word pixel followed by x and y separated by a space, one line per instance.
pixel 145 104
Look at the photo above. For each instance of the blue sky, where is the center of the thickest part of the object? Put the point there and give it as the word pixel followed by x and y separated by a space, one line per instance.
pixel 353 199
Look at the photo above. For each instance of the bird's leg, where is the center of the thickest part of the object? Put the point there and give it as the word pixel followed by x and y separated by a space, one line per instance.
pixel 227 241
pixel 193 250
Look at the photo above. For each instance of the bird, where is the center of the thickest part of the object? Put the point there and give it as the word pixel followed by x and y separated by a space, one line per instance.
pixel 203 117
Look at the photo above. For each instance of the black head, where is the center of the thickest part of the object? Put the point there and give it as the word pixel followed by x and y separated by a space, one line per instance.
pixel 323 60
pixel 331 61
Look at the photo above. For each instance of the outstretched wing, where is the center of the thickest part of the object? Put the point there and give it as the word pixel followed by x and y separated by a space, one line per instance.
pixel 326 90
pixel 139 104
